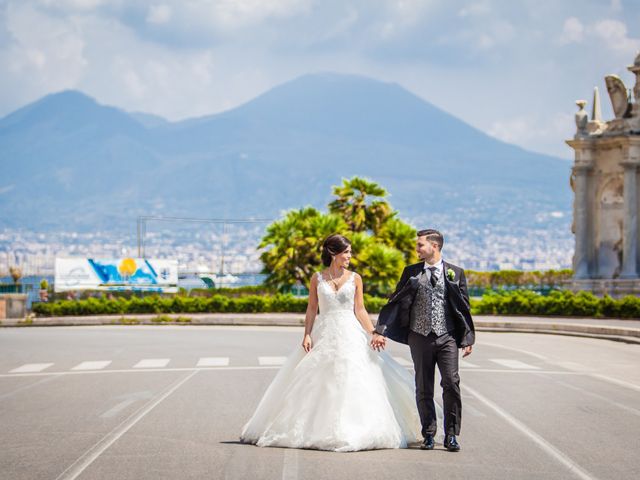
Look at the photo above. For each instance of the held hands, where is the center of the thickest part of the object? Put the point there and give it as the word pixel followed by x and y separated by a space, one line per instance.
pixel 307 344
pixel 378 342
pixel 466 351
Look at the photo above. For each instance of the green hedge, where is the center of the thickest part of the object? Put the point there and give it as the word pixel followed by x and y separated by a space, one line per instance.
pixel 518 302
pixel 179 304
pixel 551 278
pixel 557 303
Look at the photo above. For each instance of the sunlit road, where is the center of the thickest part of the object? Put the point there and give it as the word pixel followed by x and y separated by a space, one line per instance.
pixel 132 402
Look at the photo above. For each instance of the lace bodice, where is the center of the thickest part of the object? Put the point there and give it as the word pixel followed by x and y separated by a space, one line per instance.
pixel 330 301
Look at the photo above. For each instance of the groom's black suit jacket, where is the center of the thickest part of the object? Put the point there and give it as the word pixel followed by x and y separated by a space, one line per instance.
pixel 394 318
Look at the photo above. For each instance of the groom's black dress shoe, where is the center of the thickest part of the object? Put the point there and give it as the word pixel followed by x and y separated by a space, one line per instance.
pixel 428 443
pixel 451 444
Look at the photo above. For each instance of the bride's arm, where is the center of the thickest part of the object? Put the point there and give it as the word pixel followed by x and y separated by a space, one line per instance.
pixel 360 311
pixel 310 316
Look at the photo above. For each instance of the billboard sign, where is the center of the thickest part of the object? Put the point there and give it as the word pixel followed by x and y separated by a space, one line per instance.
pixel 139 274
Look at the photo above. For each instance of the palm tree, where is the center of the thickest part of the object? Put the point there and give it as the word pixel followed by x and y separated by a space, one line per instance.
pixel 397 234
pixel 381 243
pixel 355 205
pixel 380 267
pixel 293 245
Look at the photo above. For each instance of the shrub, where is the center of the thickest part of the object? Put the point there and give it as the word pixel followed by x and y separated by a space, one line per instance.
pixel 558 303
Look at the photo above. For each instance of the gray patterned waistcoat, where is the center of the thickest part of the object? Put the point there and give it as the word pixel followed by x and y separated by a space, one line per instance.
pixel 430 309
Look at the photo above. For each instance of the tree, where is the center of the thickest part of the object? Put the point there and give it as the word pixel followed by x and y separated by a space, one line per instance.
pixel 401 236
pixel 355 204
pixel 381 243
pixel 294 244
pixel 379 265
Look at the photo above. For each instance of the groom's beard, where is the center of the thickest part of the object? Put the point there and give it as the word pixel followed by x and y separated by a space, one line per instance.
pixel 432 259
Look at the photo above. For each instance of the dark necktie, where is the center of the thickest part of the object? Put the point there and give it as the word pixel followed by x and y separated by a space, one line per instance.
pixel 433 278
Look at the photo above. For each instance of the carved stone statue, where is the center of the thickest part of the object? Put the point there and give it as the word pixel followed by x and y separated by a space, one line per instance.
pixel 582 118
pixel 618 94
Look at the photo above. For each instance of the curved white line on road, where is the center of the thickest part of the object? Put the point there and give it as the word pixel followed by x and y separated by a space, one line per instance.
pixel 593 395
pixel 81 464
pixel 513 349
pixel 615 381
pixel 27 387
pixel 541 442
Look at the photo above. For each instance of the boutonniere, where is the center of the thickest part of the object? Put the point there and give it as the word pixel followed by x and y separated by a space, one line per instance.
pixel 451 274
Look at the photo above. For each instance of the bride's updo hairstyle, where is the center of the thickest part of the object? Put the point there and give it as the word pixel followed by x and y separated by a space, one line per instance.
pixel 333 245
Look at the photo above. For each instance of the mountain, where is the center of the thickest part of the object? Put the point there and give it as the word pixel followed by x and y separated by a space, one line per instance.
pixel 69 162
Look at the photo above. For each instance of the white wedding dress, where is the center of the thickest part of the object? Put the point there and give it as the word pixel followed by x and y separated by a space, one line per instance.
pixel 342 395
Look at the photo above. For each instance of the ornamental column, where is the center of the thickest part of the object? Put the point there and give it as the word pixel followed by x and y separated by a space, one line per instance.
pixel 630 227
pixel 581 262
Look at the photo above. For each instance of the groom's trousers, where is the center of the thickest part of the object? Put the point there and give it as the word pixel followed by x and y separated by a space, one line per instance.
pixel 427 352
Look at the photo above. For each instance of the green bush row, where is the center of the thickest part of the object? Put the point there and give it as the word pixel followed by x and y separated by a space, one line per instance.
pixel 519 302
pixel 231 291
pixel 178 304
pixel 558 303
pixel 517 278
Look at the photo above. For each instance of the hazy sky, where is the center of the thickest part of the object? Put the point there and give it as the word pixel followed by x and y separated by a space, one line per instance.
pixel 511 68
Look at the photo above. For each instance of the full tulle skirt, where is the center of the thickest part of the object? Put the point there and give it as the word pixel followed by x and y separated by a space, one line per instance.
pixel 341 396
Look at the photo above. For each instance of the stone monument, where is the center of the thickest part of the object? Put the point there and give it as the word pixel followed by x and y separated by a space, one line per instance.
pixel 605 180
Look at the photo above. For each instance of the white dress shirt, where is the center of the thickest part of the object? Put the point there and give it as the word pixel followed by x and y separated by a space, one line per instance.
pixel 439 268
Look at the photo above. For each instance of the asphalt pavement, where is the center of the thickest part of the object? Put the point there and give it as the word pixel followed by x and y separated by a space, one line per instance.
pixel 156 402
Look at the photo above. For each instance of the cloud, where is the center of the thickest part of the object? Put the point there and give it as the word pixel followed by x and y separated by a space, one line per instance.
pixel 615 35
pixel 536 133
pixel 73 5
pixel 475 9
pixel 608 33
pixel 43 50
pixel 572 31
pixel 159 14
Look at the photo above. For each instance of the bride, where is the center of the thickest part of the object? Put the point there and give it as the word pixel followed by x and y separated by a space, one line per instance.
pixel 336 393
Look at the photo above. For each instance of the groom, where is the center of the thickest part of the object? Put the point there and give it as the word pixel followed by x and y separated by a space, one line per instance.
pixel 430 312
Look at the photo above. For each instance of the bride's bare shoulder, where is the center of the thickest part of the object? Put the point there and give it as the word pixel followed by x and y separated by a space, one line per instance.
pixel 317 276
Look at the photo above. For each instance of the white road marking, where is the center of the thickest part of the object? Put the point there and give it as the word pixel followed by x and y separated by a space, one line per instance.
pixel 473 411
pixel 271 360
pixel 575 366
pixel 145 370
pixel 290 464
pixel 95 365
pixel 127 399
pixel 403 361
pixel 528 371
pixel 259 367
pixel 152 363
pixel 80 465
pixel 31 367
pixel 466 364
pixel 514 349
pixel 112 412
pixel 594 395
pixel 515 364
pixel 27 387
pixel 541 442
pixel 615 381
pixel 213 362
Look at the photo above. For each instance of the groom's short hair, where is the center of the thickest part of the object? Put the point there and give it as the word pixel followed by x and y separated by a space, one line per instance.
pixel 432 236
